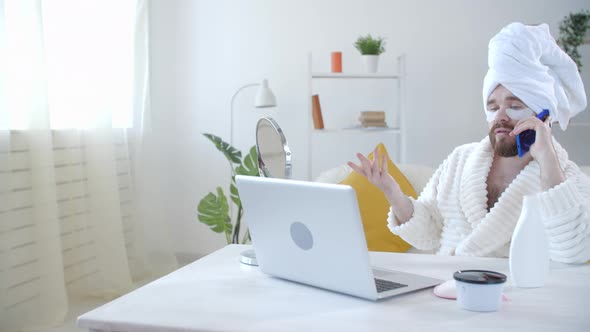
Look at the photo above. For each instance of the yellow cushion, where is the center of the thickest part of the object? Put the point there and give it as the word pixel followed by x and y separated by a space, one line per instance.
pixel 374 207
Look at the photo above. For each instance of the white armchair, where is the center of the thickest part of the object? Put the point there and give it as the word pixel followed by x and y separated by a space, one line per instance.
pixel 418 175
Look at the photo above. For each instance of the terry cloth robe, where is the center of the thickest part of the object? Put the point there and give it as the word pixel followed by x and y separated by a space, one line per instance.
pixel 451 217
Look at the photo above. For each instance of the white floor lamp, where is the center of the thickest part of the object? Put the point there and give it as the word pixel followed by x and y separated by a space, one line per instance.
pixel 264 98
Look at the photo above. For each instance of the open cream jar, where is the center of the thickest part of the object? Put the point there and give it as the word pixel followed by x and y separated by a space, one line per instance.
pixel 479 290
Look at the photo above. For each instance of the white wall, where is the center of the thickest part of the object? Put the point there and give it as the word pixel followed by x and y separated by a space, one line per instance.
pixel 203 51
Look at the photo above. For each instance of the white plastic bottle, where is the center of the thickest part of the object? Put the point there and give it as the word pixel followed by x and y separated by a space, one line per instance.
pixel 529 249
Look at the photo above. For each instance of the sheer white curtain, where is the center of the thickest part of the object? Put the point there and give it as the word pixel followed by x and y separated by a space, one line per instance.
pixel 77 215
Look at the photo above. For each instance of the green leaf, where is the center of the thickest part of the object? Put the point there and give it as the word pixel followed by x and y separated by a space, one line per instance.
pixel 248 167
pixel 214 212
pixel 234 194
pixel 250 164
pixel 232 154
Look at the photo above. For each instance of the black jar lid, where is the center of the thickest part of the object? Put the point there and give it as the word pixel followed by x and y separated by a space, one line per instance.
pixel 481 277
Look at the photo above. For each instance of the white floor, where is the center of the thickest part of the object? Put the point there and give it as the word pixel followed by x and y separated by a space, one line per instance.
pixel 77 307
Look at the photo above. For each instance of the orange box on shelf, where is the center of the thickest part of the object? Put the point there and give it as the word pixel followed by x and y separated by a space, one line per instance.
pixel 336 62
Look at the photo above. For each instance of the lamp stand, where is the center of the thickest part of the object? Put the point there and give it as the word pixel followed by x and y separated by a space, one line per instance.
pixel 231 119
pixel 248 256
pixel 264 98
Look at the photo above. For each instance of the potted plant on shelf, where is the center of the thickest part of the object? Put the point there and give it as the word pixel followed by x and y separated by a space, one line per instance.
pixel 370 49
pixel 214 208
pixel 572 31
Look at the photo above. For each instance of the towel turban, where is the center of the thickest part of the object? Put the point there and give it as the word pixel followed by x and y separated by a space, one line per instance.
pixel 527 61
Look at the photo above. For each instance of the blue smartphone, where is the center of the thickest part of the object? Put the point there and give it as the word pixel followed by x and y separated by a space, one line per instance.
pixel 525 139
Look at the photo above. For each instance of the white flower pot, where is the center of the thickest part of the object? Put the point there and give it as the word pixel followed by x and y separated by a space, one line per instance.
pixel 371 63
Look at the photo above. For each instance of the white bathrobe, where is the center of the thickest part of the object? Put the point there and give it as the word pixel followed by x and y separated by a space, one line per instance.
pixel 451 216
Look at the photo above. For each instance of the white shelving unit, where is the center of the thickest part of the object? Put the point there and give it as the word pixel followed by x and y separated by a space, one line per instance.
pixel 357 75
pixel 340 141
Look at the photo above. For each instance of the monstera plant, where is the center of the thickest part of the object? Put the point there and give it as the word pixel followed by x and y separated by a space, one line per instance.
pixel 214 208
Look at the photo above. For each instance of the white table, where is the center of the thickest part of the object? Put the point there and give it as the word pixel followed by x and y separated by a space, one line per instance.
pixel 217 293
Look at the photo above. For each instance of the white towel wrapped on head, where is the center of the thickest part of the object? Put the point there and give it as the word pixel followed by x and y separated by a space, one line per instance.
pixel 527 61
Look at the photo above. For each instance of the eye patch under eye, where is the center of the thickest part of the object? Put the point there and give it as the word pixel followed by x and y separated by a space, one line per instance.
pixel 519 114
pixel 490 116
pixel 512 113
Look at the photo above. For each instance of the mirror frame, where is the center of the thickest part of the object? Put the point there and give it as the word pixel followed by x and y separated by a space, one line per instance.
pixel 264 172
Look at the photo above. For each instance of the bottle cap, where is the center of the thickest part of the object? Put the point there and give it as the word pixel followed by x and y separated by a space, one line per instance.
pixel 480 277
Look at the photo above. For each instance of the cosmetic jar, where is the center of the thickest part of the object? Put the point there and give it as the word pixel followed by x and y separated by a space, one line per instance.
pixel 479 290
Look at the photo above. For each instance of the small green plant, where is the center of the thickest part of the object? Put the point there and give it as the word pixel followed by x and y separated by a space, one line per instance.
pixel 368 45
pixel 571 34
pixel 214 207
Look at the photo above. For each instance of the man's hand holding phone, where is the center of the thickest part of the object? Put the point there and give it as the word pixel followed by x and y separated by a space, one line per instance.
pixel 531 129
pixel 542 150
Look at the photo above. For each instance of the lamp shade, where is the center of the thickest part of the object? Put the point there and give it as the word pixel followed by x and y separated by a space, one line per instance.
pixel 264 96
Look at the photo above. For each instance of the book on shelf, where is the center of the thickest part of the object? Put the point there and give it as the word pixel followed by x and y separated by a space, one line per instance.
pixel 373 114
pixel 372 119
pixel 373 124
pixel 316 112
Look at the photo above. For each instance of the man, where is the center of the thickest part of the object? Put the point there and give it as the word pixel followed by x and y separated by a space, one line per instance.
pixel 473 201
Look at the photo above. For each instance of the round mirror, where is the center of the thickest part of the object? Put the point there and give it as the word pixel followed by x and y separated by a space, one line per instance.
pixel 274 156
pixel 274 161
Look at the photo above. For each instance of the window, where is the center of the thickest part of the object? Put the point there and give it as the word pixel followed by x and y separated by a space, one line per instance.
pixel 69 63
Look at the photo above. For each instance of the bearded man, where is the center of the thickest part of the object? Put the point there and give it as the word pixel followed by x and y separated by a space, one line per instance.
pixel 472 203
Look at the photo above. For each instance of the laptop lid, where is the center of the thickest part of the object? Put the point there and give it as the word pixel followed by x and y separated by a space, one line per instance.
pixel 308 232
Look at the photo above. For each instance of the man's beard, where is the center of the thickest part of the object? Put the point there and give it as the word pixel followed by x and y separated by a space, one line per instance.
pixel 505 147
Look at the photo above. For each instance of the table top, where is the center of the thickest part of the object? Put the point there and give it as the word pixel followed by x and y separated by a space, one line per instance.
pixel 217 293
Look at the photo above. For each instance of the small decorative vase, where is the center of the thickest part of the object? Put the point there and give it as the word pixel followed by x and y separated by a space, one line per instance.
pixel 336 62
pixel 529 248
pixel 371 63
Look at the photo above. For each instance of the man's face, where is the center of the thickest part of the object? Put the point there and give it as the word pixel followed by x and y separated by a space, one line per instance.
pixel 500 127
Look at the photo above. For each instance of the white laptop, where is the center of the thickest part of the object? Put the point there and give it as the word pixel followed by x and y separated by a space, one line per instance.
pixel 312 233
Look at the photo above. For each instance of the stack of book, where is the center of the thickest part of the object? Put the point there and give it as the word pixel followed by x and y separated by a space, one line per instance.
pixel 372 119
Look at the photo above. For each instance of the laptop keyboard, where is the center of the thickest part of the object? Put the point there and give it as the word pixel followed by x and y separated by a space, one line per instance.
pixel 386 285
